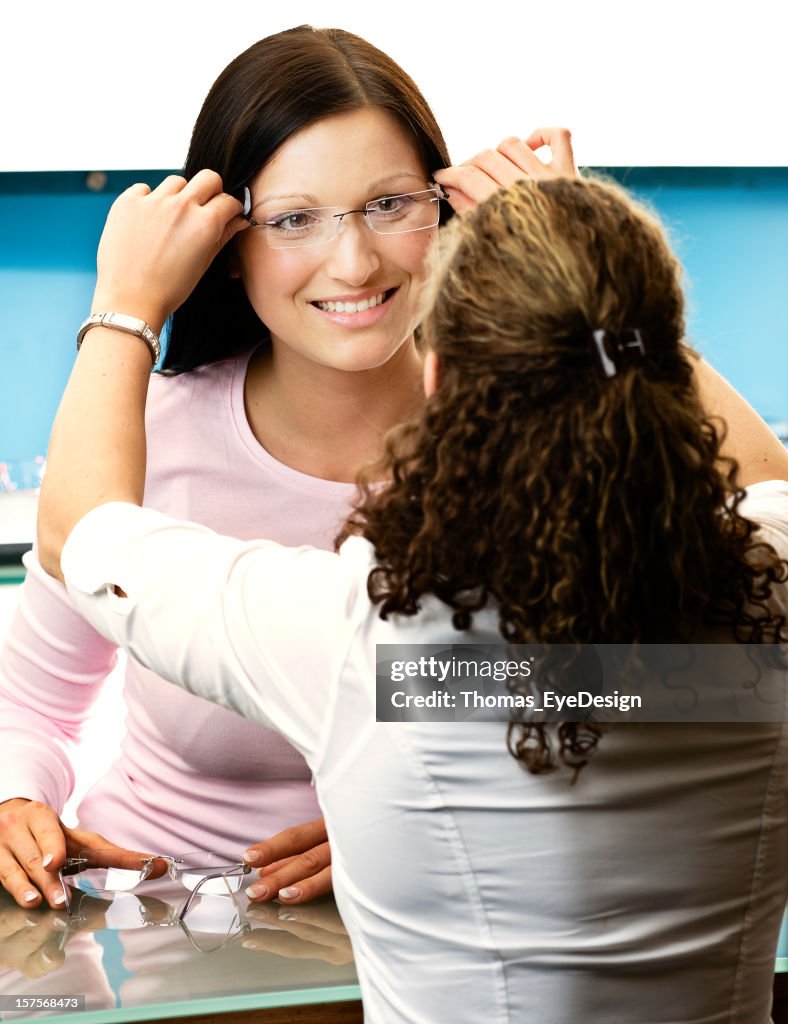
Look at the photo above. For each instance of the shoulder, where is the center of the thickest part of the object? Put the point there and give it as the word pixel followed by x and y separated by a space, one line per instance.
pixel 188 420
pixel 203 386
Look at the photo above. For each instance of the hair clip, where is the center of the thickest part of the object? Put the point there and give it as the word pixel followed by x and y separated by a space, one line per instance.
pixel 610 344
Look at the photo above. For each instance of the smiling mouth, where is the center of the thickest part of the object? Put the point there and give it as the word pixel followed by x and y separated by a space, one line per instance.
pixel 356 307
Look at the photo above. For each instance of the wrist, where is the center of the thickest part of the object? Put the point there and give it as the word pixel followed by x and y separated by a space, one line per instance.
pixel 122 323
pixel 154 316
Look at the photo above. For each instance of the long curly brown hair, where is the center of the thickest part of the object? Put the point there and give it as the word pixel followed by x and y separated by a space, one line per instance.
pixel 586 509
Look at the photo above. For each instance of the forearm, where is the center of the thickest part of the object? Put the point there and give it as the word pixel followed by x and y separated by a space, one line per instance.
pixel 97 448
pixel 53 665
pixel 756 448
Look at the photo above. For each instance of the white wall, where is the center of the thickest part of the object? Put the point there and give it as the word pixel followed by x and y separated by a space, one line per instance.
pixel 91 84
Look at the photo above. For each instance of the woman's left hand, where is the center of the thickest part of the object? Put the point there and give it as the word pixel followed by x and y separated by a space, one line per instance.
pixel 469 183
pixel 296 865
pixel 156 245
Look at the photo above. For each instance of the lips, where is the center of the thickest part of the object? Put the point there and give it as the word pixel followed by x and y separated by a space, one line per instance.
pixel 354 306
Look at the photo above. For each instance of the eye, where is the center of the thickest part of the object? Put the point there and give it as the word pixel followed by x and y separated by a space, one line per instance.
pixel 390 206
pixel 295 222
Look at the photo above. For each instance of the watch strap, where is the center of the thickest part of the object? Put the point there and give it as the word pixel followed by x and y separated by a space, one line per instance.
pixel 127 325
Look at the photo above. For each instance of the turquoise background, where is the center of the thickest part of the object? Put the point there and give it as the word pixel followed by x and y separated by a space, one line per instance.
pixel 729 226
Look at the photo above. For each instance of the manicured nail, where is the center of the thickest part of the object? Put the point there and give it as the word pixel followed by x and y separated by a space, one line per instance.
pixel 47 860
pixel 59 897
pixel 290 893
pixel 257 891
pixel 252 856
pixel 29 896
pixel 291 915
pixel 46 958
pixel 249 944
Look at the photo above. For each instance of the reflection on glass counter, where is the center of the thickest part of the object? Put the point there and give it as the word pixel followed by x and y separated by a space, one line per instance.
pixel 131 950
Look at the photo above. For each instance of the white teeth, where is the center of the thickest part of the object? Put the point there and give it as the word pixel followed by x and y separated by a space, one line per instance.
pixel 352 307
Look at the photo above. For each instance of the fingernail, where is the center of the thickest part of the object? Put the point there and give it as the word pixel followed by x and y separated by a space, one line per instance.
pixel 59 897
pixel 249 944
pixel 252 856
pixel 291 915
pixel 257 890
pixel 58 922
pixel 31 921
pixel 29 896
pixel 46 958
pixel 47 860
pixel 290 893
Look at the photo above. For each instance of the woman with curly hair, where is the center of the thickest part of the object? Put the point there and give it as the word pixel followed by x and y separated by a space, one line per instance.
pixel 563 484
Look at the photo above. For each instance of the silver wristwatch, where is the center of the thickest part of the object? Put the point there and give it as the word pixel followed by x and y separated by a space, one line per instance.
pixel 126 324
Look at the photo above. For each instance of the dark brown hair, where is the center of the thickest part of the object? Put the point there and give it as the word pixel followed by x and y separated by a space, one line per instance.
pixel 587 509
pixel 278 86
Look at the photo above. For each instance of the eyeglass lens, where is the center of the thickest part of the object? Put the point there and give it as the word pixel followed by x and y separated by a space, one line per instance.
pixel 390 215
pixel 213 873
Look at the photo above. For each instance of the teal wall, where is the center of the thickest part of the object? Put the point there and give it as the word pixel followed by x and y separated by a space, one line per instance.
pixel 729 225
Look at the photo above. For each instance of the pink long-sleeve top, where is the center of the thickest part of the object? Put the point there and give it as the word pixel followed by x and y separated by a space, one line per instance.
pixel 189 774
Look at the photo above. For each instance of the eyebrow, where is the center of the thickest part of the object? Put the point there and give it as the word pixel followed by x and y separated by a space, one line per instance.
pixel 311 200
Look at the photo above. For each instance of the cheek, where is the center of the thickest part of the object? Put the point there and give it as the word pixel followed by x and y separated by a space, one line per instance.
pixel 273 277
pixel 415 252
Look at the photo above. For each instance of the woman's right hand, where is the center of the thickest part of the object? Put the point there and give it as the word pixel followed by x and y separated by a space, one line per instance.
pixel 156 245
pixel 34 844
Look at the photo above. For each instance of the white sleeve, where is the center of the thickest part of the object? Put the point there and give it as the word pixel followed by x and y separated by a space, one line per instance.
pixel 766 503
pixel 254 626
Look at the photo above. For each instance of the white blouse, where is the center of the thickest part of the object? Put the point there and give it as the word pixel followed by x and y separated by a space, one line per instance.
pixel 650 891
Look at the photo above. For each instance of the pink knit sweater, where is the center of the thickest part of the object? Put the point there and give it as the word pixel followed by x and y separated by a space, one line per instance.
pixel 189 775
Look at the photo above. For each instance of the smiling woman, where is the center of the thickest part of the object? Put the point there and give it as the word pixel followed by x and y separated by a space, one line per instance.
pixel 276 384
pixel 266 405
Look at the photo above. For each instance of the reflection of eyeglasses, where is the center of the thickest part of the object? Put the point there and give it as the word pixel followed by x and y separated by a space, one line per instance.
pixel 198 872
pixel 214 921
pixel 389 215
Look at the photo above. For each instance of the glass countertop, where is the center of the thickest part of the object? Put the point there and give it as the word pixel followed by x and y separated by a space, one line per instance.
pixel 132 961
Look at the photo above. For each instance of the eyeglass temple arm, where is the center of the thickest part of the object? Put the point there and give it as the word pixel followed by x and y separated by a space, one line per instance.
pixel 71 866
pixel 242 869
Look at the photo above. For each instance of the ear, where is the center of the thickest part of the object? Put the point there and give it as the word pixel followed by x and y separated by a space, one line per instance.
pixel 432 373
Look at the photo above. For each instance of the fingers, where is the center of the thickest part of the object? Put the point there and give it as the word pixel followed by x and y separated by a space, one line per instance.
pixel 287 843
pixel 505 168
pixel 560 142
pixel 31 940
pixel 105 854
pixel 292 934
pixel 32 847
pixel 470 180
pixel 296 880
pixel 458 200
pixel 321 914
pixel 206 190
pixel 473 181
pixel 156 245
pixel 35 951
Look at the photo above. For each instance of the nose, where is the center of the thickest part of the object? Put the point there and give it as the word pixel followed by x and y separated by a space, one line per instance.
pixel 353 255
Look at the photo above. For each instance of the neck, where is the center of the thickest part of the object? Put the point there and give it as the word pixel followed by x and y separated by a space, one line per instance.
pixel 326 422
